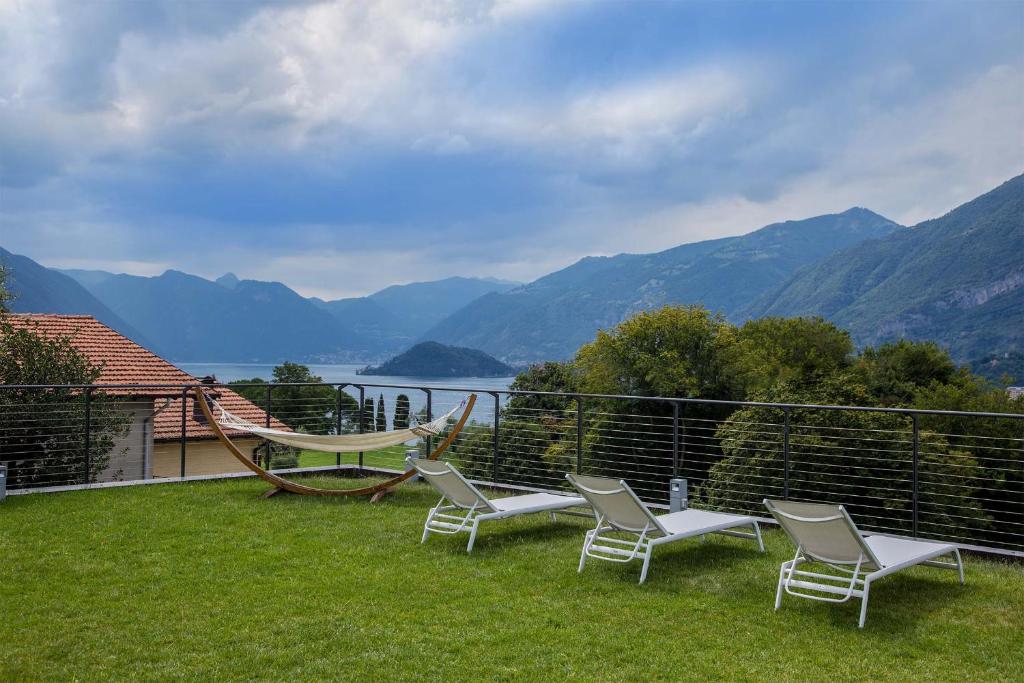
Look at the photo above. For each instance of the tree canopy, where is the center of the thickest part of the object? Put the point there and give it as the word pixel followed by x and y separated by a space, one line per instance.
pixel 672 351
pixel 312 409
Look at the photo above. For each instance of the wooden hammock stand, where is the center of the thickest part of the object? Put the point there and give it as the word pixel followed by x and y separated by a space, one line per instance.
pixel 282 484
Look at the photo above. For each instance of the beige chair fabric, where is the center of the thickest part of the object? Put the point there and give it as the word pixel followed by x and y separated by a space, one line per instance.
pixel 461 495
pixel 620 511
pixel 826 534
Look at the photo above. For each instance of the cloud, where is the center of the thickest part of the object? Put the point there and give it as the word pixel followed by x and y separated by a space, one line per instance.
pixel 307 142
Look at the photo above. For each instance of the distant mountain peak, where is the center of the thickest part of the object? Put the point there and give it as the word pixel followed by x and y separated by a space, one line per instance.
pixel 228 280
pixel 860 211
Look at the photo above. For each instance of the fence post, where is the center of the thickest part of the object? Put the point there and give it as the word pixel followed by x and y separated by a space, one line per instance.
pixel 337 418
pixel 362 400
pixel 682 437
pixel 266 420
pixel 675 439
pixel 183 445
pixel 430 417
pixel 496 444
pixel 579 435
pixel 913 475
pixel 785 454
pixel 88 433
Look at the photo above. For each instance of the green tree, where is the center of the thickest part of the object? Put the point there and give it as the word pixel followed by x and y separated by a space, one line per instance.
pixel 368 422
pixel 402 411
pixel 43 430
pixel 676 351
pixel 312 409
pixel 894 373
pixel 5 294
pixel 530 452
pixel 797 351
pixel 382 417
pixel 995 444
pixel 862 459
pixel 673 351
pixel 548 377
pixel 536 428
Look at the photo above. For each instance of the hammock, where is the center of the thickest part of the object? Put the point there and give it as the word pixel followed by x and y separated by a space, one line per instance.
pixel 335 443
pixel 281 484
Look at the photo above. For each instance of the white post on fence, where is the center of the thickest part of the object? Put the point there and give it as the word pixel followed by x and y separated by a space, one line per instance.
pixel 677 495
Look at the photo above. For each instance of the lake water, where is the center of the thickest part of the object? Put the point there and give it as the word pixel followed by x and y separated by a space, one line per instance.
pixel 346 373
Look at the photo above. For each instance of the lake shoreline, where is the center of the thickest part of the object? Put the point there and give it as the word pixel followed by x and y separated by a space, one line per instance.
pixel 446 392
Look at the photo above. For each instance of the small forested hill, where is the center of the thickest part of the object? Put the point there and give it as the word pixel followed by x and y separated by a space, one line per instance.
pixel 430 359
pixel 249 321
pixel 958 280
pixel 551 317
pixel 38 289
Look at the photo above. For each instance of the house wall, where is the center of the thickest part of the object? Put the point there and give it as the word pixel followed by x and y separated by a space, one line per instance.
pixel 207 456
pixel 128 456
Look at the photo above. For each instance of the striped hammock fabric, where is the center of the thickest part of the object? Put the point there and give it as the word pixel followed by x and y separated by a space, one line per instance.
pixel 335 443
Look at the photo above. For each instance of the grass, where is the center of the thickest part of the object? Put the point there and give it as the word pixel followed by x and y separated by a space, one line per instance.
pixel 208 581
pixel 392 457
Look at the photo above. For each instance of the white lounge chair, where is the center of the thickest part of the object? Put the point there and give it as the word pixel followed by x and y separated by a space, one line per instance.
pixel 620 510
pixel 463 496
pixel 825 534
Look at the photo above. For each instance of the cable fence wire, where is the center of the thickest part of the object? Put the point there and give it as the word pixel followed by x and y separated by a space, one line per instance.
pixel 957 477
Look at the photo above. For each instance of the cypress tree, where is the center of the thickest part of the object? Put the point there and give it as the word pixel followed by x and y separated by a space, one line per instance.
pixel 382 418
pixel 368 415
pixel 402 410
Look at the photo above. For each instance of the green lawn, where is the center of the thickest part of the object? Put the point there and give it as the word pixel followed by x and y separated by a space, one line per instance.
pixel 208 581
pixel 392 457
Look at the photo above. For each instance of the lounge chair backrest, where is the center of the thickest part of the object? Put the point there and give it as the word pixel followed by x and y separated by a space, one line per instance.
pixel 450 483
pixel 616 503
pixel 824 532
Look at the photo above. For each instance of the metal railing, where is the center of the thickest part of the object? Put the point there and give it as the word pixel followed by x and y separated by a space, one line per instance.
pixel 944 475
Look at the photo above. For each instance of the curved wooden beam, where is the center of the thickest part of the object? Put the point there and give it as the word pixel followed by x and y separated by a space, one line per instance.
pixel 301 489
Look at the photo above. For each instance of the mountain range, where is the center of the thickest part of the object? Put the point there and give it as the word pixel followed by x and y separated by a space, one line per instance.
pixel 192 319
pixel 397 315
pixel 957 279
pixel 551 317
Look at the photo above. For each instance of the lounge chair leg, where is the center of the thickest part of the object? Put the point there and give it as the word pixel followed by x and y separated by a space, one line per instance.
pixel 472 535
pixel 553 519
pixel 864 602
pixel 959 565
pixel 757 532
pixel 647 564
pixel 430 518
pixel 778 591
pixel 426 527
pixel 583 554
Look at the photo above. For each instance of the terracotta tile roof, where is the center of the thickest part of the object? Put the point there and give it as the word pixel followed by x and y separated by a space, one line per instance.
pixel 122 361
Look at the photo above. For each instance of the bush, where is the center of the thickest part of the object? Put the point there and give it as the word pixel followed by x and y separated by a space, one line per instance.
pixel 861 459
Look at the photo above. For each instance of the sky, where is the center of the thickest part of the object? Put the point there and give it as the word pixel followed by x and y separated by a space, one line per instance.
pixel 340 147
